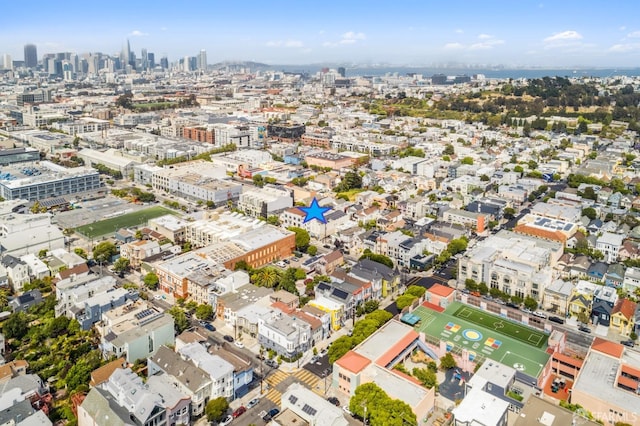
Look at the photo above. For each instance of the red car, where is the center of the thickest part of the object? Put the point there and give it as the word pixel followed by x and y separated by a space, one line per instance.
pixel 239 411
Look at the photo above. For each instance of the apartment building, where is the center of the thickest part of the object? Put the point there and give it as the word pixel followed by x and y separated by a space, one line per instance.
pixel 285 334
pixel 219 370
pixel 173 273
pixel 265 202
pixel 477 222
pixel 137 251
pixel 610 244
pixel 515 264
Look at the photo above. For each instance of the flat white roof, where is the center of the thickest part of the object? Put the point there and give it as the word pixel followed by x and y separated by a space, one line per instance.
pixel 480 407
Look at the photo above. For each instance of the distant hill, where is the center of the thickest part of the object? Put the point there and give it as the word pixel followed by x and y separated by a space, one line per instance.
pixel 233 65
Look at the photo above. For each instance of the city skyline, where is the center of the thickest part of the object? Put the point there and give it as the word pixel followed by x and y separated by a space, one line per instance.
pixel 527 33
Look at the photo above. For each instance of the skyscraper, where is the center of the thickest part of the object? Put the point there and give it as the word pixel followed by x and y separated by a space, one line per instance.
pixel 202 60
pixel 30 56
pixel 125 55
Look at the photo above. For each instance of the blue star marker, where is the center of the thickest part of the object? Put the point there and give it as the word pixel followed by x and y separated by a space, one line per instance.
pixel 314 211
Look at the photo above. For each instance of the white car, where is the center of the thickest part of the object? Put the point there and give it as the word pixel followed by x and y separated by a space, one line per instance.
pixel 226 421
pixel 345 408
pixel 239 344
pixel 157 297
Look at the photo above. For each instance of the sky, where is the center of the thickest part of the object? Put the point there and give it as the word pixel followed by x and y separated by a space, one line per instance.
pixel 514 33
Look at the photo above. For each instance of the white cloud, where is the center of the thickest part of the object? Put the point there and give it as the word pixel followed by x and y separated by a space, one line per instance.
pixel 351 35
pixel 138 33
pixel 484 36
pixel 459 31
pixel 563 36
pixel 623 48
pixel 487 42
pixel 635 34
pixel 163 29
pixel 453 46
pixel 285 43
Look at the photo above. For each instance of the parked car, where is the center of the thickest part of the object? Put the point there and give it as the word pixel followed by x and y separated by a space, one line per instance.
pixel 345 408
pixel 584 329
pixel 267 417
pixel 239 411
pixel 556 320
pixel 239 344
pixel 209 327
pixel 335 401
pixel 324 351
pixel 253 403
pixel 228 338
pixel 513 305
pixel 540 314
pixel 272 363
pixel 629 343
pixel 226 421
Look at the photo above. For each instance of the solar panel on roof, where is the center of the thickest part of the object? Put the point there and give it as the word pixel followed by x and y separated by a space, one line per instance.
pixel 340 294
pixel 309 410
pixel 293 399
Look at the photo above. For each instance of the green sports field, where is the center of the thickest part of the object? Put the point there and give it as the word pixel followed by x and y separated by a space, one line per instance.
pixel 485 335
pixel 111 225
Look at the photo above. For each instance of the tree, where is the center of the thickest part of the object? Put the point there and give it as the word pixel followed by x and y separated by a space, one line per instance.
pixel 482 288
pixel 104 251
pixel 339 347
pixel 589 212
pixel 121 265
pixel 405 300
pixel 583 317
pixel 350 180
pixel 381 317
pixel 518 169
pixel 447 362
pixel 312 250
pixel 380 258
pixel 530 303
pixel 470 284
pixel 216 409
pixel 456 246
pixel 509 212
pixel 258 181
pixel 448 150
pixel 204 312
pixel 426 376
pixel 370 306
pixel 181 323
pixel 16 326
pixel 467 160
pixel 151 281
pixel 373 404
pixel 266 277
pixel 416 290
pixel 80 252
pixel 302 237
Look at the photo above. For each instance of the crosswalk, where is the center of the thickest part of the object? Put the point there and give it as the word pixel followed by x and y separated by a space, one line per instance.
pixel 302 376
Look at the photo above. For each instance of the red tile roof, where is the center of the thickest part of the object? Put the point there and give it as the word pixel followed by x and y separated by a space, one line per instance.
pixel 606 347
pixel 628 382
pixel 397 348
pixel 575 362
pixel 433 307
pixel 283 307
pixel 625 307
pixel 630 370
pixel 353 362
pixel 79 269
pixel 440 290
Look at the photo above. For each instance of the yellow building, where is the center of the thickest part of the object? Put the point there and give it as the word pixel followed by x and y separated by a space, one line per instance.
pixel 623 316
pixel 333 308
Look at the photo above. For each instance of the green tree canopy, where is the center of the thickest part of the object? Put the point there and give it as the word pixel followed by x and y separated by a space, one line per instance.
pixel 456 246
pixel 380 258
pixel 204 312
pixel 121 264
pixel 405 300
pixel 151 281
pixel 589 212
pixel 530 303
pixel 104 251
pixel 447 361
pixel 16 326
pixel 467 160
pixel 416 290
pixel 181 323
pixel 302 237
pixel 216 409
pixel 373 404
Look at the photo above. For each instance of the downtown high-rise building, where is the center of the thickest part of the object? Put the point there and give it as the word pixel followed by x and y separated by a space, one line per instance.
pixel 30 56
pixel 202 60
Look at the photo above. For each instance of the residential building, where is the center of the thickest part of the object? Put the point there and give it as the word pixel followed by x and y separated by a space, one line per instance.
pixel 122 399
pixel 287 335
pixel 384 280
pixel 581 298
pixel 175 401
pixel 265 202
pixel 477 222
pixel 173 273
pixel 604 299
pixel 548 413
pixel 631 280
pixel 134 331
pixel 73 291
pixel 623 316
pixel 515 264
pixel 556 296
pixel 17 271
pixel 22 234
pixel 615 275
pixel 500 381
pixel 481 408
pixel 610 244
pixel 219 370
pixel 137 251
pixel 216 227
pixel 310 407
pixel 229 305
pixel 25 300
pixel 170 226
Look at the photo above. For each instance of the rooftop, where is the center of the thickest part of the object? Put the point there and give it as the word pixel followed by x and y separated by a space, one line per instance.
pixel 480 407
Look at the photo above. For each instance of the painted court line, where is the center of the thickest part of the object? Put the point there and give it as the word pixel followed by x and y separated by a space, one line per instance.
pixel 536 341
pixel 531 362
pixel 465 311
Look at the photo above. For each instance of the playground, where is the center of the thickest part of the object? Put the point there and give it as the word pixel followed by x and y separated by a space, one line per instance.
pixel 486 335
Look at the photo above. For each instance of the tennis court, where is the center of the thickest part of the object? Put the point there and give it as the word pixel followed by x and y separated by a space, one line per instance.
pixel 483 334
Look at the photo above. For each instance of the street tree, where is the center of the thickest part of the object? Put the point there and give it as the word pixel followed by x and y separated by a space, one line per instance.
pixel 216 409
pixel 104 251
pixel 151 281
